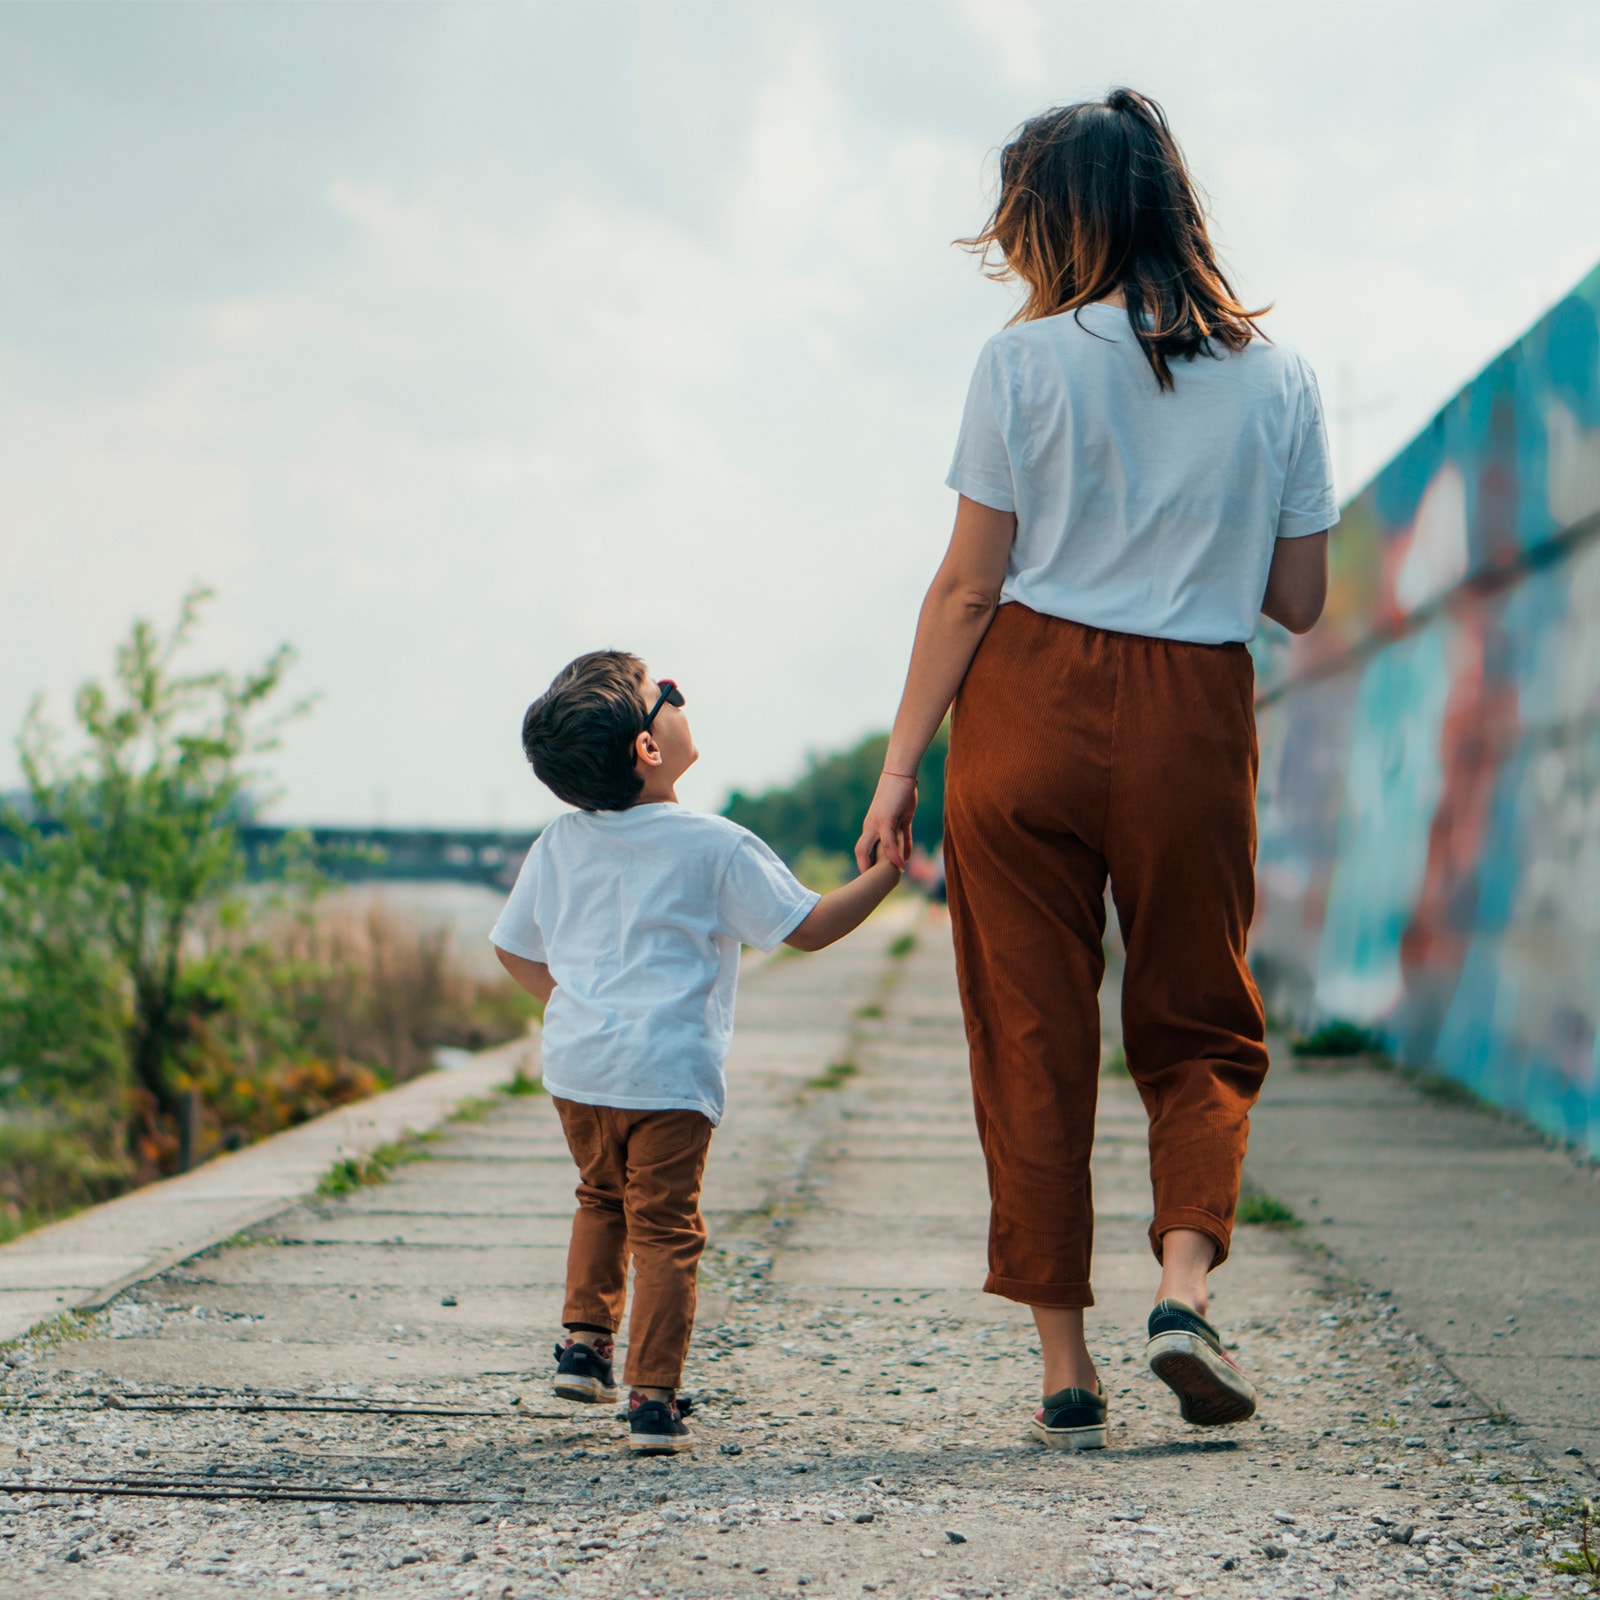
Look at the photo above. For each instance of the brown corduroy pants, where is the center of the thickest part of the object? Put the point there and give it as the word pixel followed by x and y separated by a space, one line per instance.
pixel 639 1178
pixel 1074 754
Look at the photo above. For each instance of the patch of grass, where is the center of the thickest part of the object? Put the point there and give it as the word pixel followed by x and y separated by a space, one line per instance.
pixel 238 1241
pixel 378 1166
pixel 834 1076
pixel 870 1012
pixel 900 948
pixel 1337 1038
pixel 1262 1211
pixel 521 1083
pixel 1447 1091
pixel 1115 1064
pixel 1582 1561
pixel 62 1328
pixel 474 1109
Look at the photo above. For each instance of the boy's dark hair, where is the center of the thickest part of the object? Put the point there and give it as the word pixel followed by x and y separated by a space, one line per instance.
pixel 579 734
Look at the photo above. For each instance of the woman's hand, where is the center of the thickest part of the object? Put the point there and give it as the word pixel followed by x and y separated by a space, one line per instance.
pixel 887 830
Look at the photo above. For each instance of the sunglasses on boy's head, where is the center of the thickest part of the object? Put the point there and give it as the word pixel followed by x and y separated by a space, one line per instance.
pixel 671 695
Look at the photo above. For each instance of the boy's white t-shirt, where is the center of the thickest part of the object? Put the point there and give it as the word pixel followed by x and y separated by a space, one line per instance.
pixel 639 915
pixel 1143 510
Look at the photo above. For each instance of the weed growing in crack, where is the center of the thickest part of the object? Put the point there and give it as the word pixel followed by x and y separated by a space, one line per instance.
pixel 1262 1211
pixel 1581 1561
pixel 377 1166
pixel 834 1076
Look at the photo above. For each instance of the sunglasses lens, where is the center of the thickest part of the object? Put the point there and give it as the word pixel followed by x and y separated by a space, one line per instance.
pixel 675 696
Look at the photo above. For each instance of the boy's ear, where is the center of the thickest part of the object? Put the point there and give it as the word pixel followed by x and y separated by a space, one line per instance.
pixel 646 752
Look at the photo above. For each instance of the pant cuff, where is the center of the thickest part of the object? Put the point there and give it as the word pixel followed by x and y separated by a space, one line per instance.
pixel 582 1313
pixel 1212 1226
pixel 654 1380
pixel 1039 1294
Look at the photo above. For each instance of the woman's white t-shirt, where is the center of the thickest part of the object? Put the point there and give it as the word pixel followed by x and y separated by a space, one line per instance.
pixel 1143 510
pixel 639 915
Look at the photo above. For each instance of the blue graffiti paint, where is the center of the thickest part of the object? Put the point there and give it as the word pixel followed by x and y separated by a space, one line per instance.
pixel 1430 798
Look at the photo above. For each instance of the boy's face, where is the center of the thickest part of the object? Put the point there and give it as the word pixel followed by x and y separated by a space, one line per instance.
pixel 671 734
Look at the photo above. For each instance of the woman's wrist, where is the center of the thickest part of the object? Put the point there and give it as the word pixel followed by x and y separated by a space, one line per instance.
pixel 908 777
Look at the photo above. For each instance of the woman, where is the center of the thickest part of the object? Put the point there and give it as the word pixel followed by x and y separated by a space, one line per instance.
pixel 1141 472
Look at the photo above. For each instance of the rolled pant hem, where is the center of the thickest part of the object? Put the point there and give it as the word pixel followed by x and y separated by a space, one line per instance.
pixel 1028 1293
pixel 590 1315
pixel 654 1381
pixel 1213 1227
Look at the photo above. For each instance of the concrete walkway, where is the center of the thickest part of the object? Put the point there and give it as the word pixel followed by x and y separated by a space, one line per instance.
pixel 86 1261
pixel 1487 1239
pixel 352 1399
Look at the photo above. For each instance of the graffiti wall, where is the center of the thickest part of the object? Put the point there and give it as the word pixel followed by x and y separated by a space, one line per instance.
pixel 1430 795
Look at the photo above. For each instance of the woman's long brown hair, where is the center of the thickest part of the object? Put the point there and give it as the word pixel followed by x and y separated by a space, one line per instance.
pixel 1096 197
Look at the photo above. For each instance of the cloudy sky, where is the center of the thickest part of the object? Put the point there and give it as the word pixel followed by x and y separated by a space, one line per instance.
pixel 446 342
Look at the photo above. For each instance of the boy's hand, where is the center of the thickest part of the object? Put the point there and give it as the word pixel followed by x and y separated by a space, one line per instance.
pixel 886 834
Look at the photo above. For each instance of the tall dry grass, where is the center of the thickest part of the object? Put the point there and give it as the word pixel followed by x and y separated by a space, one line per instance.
pixel 301 1011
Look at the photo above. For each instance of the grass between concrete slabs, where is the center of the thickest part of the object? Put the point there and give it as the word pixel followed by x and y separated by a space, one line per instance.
pixel 1259 1210
pixel 349 1173
pixel 378 1165
pixel 845 1066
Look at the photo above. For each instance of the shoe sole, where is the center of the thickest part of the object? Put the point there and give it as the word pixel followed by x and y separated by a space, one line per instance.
pixel 586 1391
pixel 1091 1438
pixel 659 1444
pixel 1210 1392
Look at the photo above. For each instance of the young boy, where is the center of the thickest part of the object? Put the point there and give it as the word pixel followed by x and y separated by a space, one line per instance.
pixel 627 918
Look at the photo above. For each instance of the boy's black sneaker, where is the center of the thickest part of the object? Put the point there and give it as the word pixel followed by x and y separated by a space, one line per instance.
pixel 1072 1419
pixel 656 1427
pixel 583 1374
pixel 1185 1352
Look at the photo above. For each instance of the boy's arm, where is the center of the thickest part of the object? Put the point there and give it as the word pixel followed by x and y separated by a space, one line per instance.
pixel 534 976
pixel 841 910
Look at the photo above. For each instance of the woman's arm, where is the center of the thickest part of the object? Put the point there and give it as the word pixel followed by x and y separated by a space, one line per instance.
pixel 960 605
pixel 534 976
pixel 1297 582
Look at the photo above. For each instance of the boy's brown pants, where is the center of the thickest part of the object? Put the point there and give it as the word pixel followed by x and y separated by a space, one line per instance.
pixel 1073 753
pixel 639 1178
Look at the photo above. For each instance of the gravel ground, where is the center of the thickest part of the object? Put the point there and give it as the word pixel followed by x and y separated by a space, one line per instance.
pixel 860 1411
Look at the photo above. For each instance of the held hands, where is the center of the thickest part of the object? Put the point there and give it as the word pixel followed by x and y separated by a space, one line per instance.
pixel 887 831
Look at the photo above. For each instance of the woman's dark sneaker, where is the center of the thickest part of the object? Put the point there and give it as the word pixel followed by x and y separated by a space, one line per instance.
pixel 583 1373
pixel 1185 1352
pixel 656 1427
pixel 1072 1419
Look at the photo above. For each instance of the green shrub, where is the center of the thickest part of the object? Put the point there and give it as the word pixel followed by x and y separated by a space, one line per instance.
pixel 49 1169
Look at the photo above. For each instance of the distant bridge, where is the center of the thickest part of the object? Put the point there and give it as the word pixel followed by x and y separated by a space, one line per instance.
pixel 402 855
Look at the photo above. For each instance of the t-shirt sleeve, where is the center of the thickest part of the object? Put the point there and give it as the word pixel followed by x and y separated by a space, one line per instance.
pixel 981 469
pixel 1309 502
pixel 518 928
pixel 761 902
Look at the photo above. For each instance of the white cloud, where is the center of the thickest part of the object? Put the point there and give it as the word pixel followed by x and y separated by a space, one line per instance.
pixel 668 354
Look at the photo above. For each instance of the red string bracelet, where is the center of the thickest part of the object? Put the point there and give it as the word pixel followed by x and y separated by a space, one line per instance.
pixel 910 777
